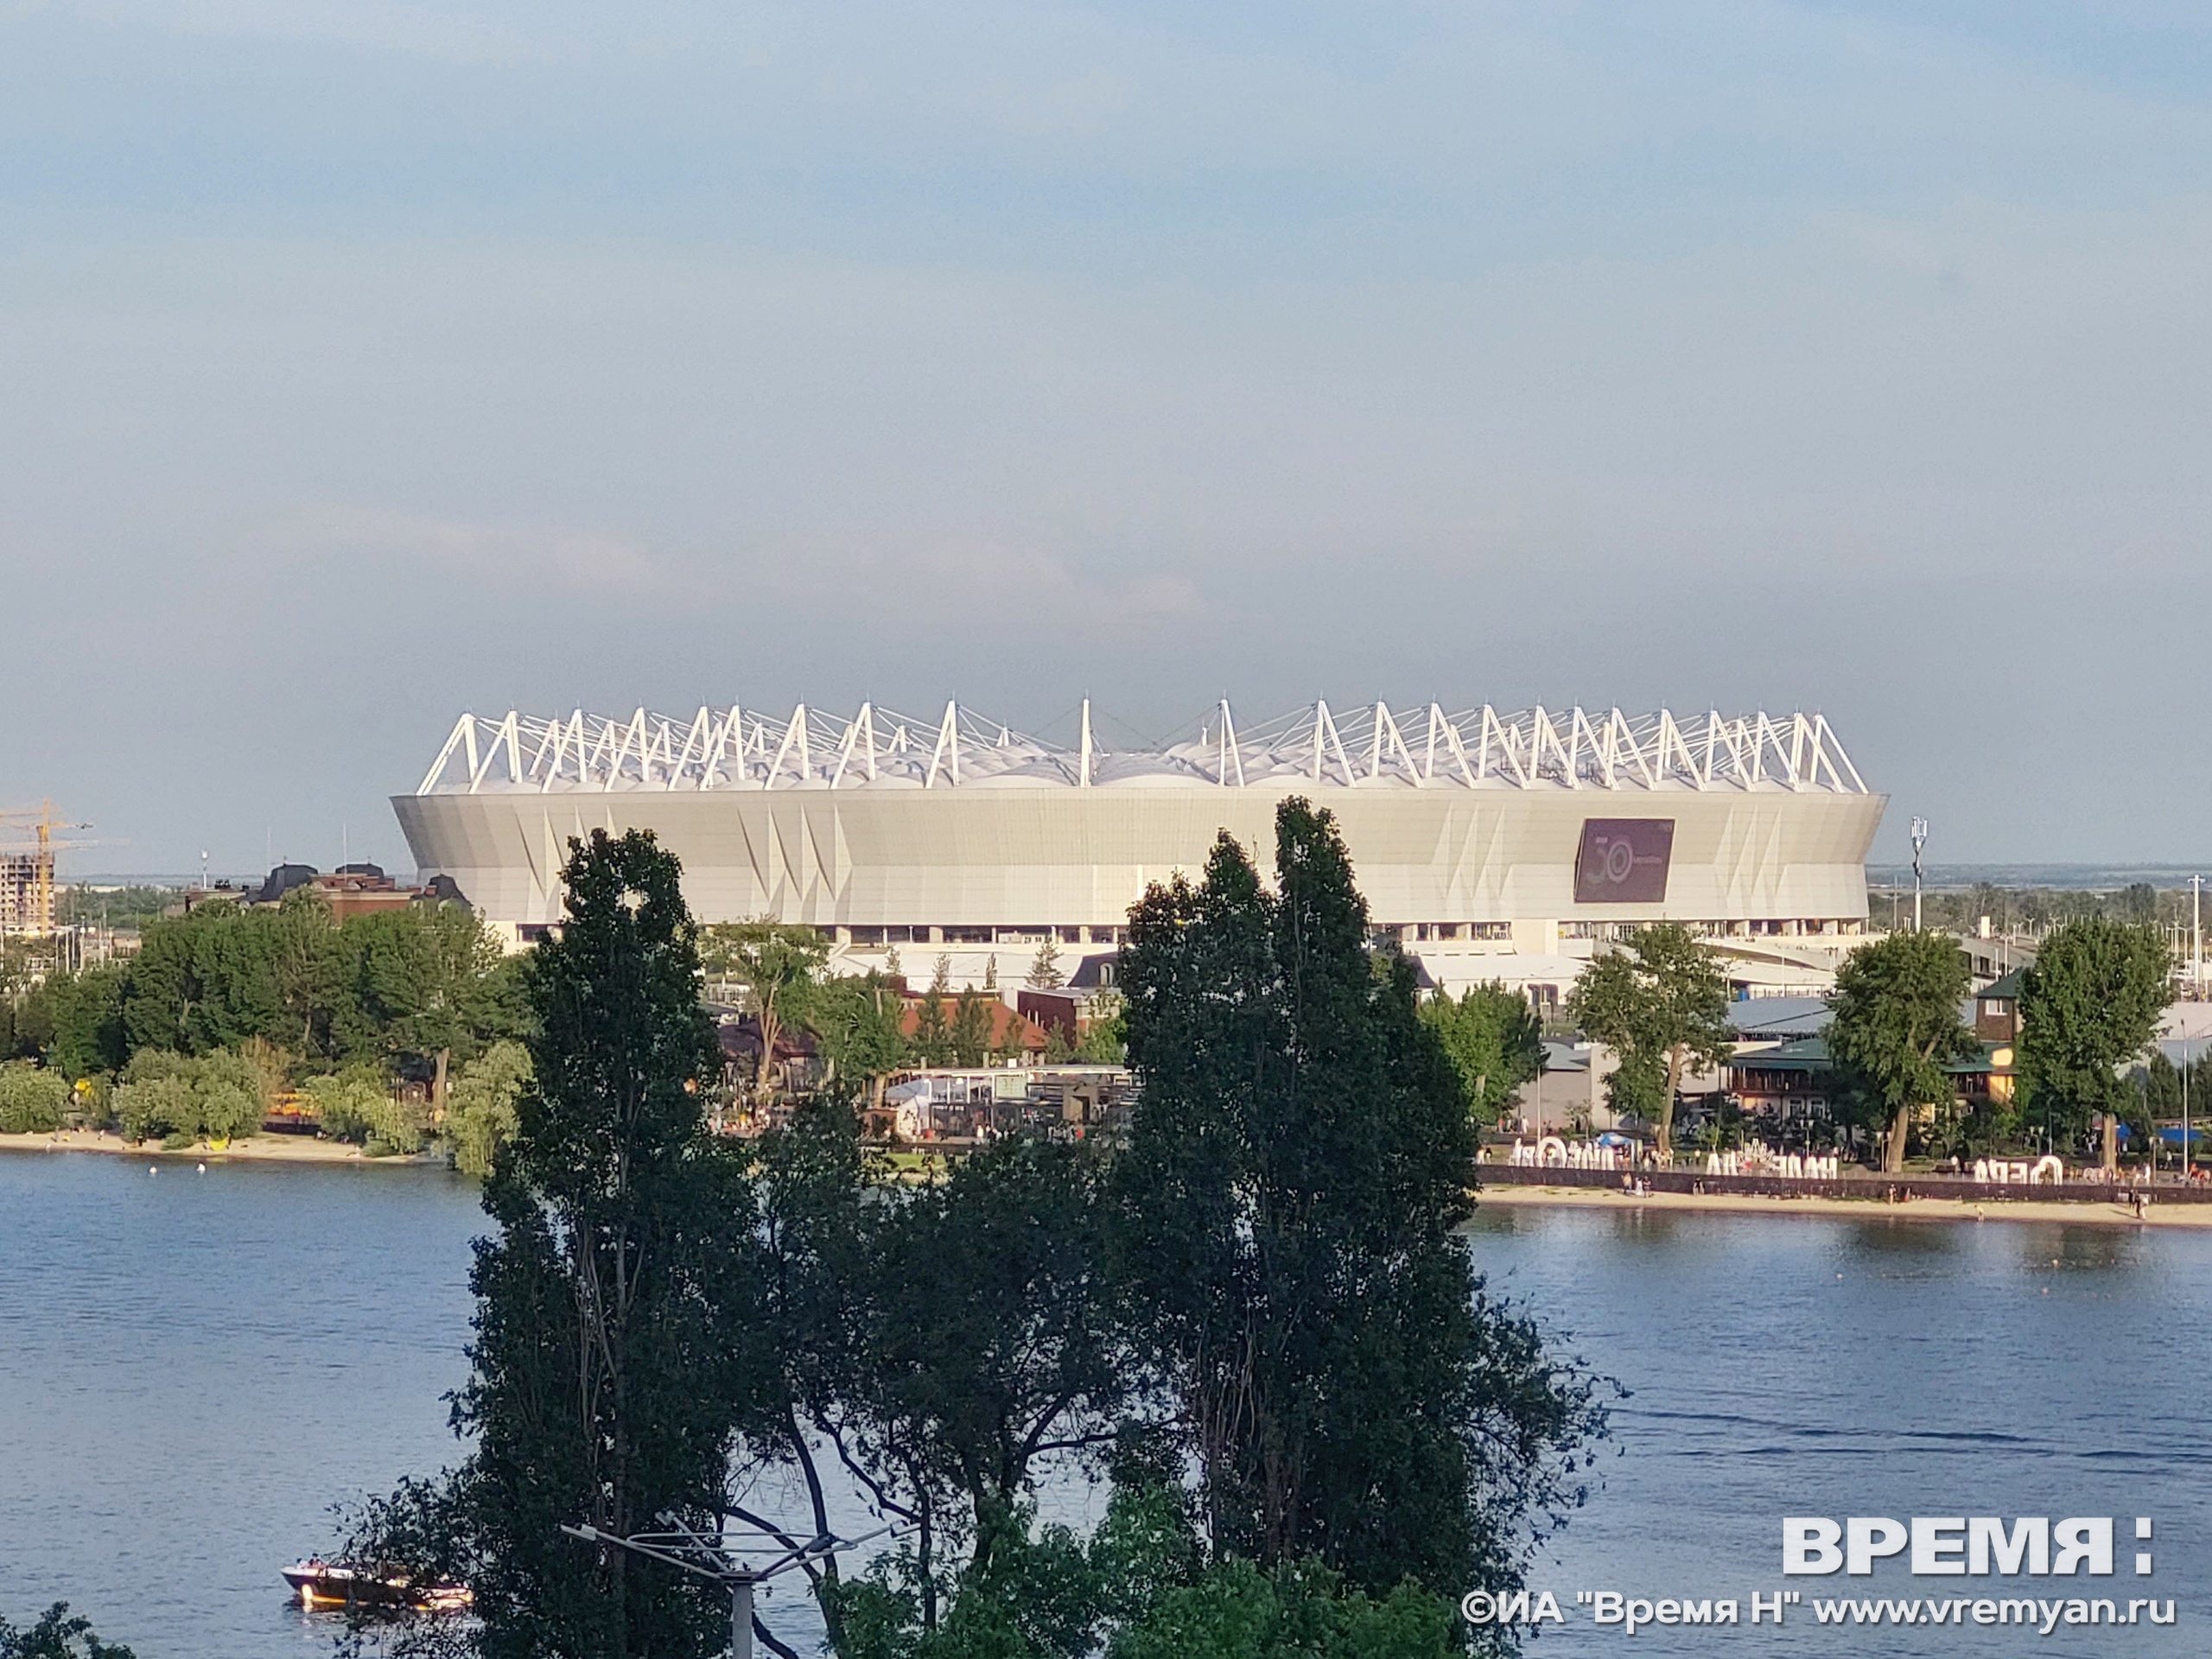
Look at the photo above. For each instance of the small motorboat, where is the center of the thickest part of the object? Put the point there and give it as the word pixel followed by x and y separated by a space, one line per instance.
pixel 332 1584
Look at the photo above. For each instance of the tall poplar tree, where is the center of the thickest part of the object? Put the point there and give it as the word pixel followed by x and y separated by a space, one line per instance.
pixel 1299 1161
pixel 605 1385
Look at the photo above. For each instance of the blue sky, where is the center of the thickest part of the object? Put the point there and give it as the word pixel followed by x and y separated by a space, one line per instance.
pixel 360 363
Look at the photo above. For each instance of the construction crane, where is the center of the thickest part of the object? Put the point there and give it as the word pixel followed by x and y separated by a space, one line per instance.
pixel 27 872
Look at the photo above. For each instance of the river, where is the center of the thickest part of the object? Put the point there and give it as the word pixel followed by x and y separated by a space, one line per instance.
pixel 194 1367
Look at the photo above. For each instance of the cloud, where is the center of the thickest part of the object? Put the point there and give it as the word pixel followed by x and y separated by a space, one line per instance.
pixel 382 547
pixel 972 587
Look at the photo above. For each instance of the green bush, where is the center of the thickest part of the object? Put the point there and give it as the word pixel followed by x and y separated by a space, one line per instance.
pixel 33 1100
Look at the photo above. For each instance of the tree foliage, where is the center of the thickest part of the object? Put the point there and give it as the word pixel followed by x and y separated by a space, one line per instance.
pixel 357 1104
pixel 1661 1004
pixel 1495 1043
pixel 931 1040
pixel 970 1035
pixel 858 1020
pixel 1266 1285
pixel 774 965
pixel 940 1339
pixel 1300 1159
pixel 1044 973
pixel 219 1096
pixel 603 1386
pixel 33 1100
pixel 57 1635
pixel 2089 1004
pixel 481 1114
pixel 392 987
pixel 1896 1026
pixel 1141 1588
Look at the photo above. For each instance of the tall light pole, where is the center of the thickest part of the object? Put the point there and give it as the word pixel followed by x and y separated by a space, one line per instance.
pixel 1919 840
pixel 714 1556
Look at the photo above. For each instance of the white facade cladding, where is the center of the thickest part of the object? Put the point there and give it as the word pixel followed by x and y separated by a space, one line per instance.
pixel 1475 825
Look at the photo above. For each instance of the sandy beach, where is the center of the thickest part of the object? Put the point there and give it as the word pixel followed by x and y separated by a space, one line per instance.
pixel 265 1148
pixel 2074 1213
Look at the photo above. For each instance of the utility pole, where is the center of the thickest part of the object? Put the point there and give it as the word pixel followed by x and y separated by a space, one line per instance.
pixel 716 1556
pixel 1919 840
pixel 2196 936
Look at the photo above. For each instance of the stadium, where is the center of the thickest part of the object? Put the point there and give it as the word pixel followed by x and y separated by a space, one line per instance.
pixel 1491 844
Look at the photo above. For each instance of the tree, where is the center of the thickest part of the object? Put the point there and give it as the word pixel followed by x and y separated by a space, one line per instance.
pixel 480 1111
pixel 1008 1049
pixel 423 984
pixel 933 1040
pixel 971 1029
pixel 426 981
pixel 219 1096
pixel 856 1019
pixel 936 1340
pixel 86 1015
pixel 1044 973
pixel 33 1100
pixel 2089 1004
pixel 57 1636
pixel 1142 1587
pixel 1104 1041
pixel 1660 1005
pixel 605 1382
pixel 992 1341
pixel 775 964
pixel 351 1104
pixel 1494 1041
pixel 203 981
pixel 1299 1161
pixel 1897 1027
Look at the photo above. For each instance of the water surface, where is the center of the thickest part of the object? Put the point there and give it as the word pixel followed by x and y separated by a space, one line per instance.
pixel 1790 1365
pixel 192 1367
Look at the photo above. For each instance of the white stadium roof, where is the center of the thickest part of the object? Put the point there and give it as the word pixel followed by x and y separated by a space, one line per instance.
pixel 1374 746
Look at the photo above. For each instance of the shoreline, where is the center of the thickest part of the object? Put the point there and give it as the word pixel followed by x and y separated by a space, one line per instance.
pixel 2074 1212
pixel 260 1149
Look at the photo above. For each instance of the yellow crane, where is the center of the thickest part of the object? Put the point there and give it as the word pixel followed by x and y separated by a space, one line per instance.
pixel 27 902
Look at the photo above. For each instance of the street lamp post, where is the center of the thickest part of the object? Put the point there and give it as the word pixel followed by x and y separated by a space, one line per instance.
pixel 714 1556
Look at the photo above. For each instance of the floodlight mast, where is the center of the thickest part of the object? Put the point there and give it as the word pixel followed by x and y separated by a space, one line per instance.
pixel 1919 840
pixel 709 1557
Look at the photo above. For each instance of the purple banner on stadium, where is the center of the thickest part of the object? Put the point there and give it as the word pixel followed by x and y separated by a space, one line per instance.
pixel 1623 860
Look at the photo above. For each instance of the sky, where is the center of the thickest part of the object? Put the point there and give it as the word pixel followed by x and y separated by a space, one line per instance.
pixel 363 363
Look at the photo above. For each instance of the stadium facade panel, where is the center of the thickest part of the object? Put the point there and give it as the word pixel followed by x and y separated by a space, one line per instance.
pixel 880 826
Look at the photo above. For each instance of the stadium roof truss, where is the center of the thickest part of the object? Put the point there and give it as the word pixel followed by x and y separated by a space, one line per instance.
pixel 1371 747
